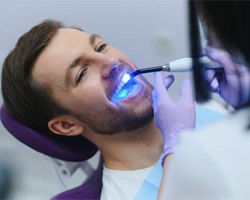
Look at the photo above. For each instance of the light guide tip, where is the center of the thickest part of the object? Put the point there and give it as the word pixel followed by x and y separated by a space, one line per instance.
pixel 126 77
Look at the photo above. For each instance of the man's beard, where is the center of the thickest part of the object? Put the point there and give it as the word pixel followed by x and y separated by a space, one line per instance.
pixel 122 120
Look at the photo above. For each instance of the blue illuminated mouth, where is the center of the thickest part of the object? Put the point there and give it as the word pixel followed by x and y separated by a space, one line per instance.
pixel 126 89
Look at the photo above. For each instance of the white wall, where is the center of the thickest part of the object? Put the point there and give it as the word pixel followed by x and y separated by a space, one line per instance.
pixel 151 32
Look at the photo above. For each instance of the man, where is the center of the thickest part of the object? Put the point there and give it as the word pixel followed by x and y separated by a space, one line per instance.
pixel 68 82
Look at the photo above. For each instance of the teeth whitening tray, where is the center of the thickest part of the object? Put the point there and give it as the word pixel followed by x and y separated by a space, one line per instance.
pixel 71 153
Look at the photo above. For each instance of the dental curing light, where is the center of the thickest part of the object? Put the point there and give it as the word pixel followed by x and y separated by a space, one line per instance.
pixel 129 87
pixel 180 65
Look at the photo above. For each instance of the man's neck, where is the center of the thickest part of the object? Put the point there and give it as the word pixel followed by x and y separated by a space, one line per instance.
pixel 132 150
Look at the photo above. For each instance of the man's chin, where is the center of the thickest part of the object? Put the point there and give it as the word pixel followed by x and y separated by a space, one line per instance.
pixel 125 122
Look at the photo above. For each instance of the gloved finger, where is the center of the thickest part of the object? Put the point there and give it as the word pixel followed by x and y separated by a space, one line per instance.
pixel 244 73
pixel 214 85
pixel 155 101
pixel 223 58
pixel 209 75
pixel 186 92
pixel 160 89
pixel 203 53
pixel 168 81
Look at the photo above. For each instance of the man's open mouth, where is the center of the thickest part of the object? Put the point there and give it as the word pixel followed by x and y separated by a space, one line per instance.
pixel 125 90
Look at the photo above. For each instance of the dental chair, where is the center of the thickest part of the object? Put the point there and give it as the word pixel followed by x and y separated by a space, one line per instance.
pixel 63 151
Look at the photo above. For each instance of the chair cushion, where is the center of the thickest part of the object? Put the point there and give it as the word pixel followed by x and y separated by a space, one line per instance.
pixel 74 148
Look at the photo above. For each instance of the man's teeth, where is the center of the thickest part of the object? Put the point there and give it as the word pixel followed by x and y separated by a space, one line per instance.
pixel 119 87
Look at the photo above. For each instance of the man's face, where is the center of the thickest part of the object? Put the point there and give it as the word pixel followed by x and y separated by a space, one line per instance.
pixel 84 73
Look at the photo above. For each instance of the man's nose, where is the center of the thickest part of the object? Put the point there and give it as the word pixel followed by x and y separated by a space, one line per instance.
pixel 106 64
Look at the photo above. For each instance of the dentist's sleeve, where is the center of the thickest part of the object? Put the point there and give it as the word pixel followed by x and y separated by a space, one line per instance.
pixel 192 173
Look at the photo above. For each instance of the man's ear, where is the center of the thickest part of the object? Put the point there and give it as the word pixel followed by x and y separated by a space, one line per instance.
pixel 65 125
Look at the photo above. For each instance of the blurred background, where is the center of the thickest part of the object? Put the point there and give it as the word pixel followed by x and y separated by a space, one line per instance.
pixel 150 32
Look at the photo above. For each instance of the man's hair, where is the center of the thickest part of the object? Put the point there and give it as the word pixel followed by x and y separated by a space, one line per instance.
pixel 30 102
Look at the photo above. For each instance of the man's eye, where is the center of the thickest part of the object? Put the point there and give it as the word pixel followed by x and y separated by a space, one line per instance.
pixel 101 48
pixel 81 75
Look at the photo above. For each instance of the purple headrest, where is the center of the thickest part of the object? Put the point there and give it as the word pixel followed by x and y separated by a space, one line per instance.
pixel 74 148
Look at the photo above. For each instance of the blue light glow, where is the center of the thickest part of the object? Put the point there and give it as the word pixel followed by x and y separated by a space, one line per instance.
pixel 125 78
pixel 122 94
pixel 128 88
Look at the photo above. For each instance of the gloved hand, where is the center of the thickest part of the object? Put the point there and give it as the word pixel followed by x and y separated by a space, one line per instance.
pixel 233 84
pixel 171 117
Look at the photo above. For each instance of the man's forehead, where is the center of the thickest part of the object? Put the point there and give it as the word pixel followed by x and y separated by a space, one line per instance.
pixel 65 41
pixel 77 31
pixel 71 31
pixel 72 36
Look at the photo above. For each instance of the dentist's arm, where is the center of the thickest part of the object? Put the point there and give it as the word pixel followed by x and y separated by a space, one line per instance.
pixel 172 117
pixel 164 180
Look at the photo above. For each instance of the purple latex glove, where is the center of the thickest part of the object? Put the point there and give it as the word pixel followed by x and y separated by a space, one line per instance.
pixel 233 84
pixel 171 117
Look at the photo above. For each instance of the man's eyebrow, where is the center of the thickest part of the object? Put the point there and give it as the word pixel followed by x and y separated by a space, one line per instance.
pixel 93 38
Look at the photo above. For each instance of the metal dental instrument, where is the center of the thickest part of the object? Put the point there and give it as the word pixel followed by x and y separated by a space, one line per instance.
pixel 180 65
